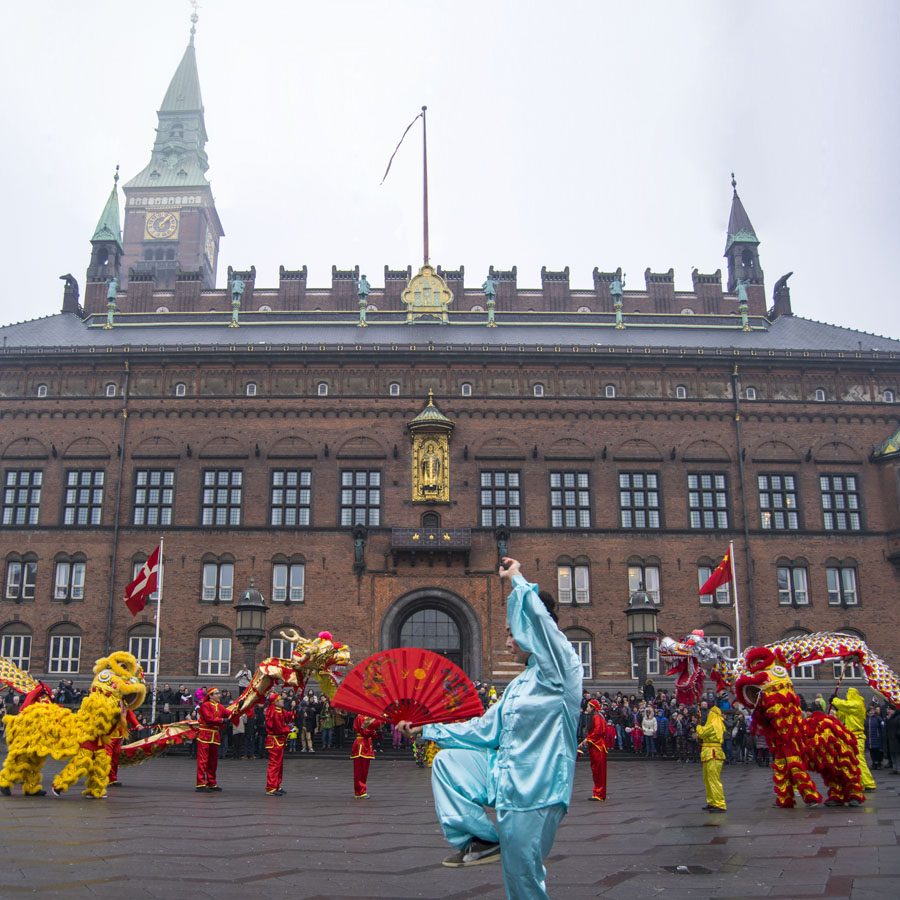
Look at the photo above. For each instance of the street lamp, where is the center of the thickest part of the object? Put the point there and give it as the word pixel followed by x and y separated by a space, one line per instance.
pixel 251 612
pixel 640 629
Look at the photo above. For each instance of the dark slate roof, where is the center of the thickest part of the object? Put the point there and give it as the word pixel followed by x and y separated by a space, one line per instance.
pixel 158 331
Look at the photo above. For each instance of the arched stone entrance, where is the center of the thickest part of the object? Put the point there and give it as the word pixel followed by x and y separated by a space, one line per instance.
pixel 439 620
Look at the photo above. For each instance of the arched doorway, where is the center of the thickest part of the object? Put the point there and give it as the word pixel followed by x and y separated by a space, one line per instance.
pixel 439 620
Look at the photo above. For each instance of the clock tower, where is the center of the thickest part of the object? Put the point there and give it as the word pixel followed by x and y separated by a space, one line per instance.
pixel 171 223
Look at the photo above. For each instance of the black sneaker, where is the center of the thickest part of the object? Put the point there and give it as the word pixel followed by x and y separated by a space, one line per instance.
pixel 201 789
pixel 475 853
pixel 278 792
pixel 213 787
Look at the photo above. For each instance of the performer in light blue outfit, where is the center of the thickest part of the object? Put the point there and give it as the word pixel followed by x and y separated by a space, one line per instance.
pixel 519 757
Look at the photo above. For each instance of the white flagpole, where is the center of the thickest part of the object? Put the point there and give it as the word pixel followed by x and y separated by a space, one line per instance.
pixel 159 590
pixel 737 611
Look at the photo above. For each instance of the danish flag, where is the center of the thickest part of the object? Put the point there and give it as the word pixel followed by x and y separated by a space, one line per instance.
pixel 144 585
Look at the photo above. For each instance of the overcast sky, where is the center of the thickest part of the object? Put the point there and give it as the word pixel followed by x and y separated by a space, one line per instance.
pixel 571 133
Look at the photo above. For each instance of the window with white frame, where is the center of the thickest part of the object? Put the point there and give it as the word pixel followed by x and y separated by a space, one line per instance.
pixel 251 389
pixel 570 499
pixel 154 496
pixel 820 395
pixel 680 392
pixel 65 653
pixel 83 504
pixel 888 396
pixel 841 580
pixel 750 393
pixel 322 389
pixel 840 502
pixel 111 390
pixel 500 498
pixel 793 585
pixel 360 497
pixel 288 581
pixel 708 500
pixel 143 649
pixel 180 389
pixel 652 661
pixel 722 595
pixel 291 497
pixel 645 578
pixel 583 651
pixel 778 507
pixel 394 388
pixel 215 656
pixel 721 640
pixel 639 501
pixel 42 390
pixel 69 581
pixel 802 672
pixel 609 391
pixel 573 583
pixel 16 647
pixel 21 496
pixel 223 491
pixel 538 390
pixel 21 576
pixel 281 648
pixel 218 582
pixel 466 389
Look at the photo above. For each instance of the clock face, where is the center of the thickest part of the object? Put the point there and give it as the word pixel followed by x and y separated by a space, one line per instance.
pixel 162 225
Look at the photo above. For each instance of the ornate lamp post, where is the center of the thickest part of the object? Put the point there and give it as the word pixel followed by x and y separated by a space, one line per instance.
pixel 641 615
pixel 251 612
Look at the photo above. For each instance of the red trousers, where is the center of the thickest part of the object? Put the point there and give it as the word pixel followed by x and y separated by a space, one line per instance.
pixel 113 748
pixel 360 773
pixel 275 771
pixel 598 770
pixel 207 763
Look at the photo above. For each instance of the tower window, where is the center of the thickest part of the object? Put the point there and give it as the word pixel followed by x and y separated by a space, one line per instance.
pixel 681 392
pixel 609 391
pixel 466 389
pixel 888 396
pixel 110 390
pixel 180 389
pixel 322 389
pixel 42 390
pixel 251 388
pixel 750 393
pixel 820 395
pixel 538 390
pixel 394 389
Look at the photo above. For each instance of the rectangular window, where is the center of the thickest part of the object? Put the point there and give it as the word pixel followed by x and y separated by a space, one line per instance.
pixel 573 582
pixel 215 656
pixel 501 499
pixel 281 648
pixel 802 672
pixel 722 596
pixel 847 669
pixel 135 570
pixel 841 586
pixel 21 496
pixel 778 508
pixel 360 497
pixel 83 497
pixel 290 497
pixel 154 496
pixel 644 578
pixel 793 586
pixel 639 501
pixel 20 581
pixel 840 502
pixel 17 649
pixel 143 649
pixel 218 582
pixel 570 499
pixel 583 649
pixel 708 500
pixel 65 652
pixel 652 661
pixel 69 582
pixel 287 582
pixel 222 495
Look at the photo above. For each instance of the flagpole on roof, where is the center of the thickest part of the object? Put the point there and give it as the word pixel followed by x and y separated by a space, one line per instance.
pixel 159 590
pixel 737 611
pixel 425 183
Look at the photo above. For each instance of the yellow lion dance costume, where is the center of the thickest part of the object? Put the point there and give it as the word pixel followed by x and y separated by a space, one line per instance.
pixel 44 729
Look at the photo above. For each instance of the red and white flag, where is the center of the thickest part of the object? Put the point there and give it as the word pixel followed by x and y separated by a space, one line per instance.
pixel 144 585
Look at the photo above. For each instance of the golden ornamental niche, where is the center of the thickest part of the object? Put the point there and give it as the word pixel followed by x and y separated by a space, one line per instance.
pixel 427 296
pixel 430 433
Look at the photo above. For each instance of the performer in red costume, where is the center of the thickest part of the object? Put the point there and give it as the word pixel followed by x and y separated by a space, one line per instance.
pixel 114 747
pixel 363 753
pixel 598 748
pixel 212 717
pixel 278 724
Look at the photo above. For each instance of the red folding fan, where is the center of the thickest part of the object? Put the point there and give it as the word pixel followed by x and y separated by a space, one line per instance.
pixel 409 684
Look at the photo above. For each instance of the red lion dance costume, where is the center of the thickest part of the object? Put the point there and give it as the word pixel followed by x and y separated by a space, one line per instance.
pixel 598 748
pixel 799 745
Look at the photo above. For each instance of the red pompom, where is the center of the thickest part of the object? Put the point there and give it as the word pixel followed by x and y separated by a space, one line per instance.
pixel 325 635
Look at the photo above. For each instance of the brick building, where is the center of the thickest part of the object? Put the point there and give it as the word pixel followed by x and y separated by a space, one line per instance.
pixel 362 454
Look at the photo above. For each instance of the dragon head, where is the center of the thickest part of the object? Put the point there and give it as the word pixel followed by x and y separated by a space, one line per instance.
pixel 764 670
pixel 317 656
pixel 119 675
pixel 687 659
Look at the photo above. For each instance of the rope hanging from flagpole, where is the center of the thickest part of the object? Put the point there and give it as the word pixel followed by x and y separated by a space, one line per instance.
pixel 421 115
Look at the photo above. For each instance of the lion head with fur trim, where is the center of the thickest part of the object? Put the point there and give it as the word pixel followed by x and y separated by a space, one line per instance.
pixel 119 675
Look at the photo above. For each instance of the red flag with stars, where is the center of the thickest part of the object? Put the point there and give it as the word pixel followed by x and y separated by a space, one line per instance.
pixel 721 575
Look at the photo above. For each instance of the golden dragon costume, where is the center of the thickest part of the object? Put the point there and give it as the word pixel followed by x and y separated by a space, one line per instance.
pixel 42 728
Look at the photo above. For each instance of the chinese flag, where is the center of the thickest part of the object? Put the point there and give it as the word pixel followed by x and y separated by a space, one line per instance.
pixel 721 575
pixel 144 585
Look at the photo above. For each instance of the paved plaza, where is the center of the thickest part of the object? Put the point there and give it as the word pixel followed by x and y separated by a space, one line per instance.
pixel 156 838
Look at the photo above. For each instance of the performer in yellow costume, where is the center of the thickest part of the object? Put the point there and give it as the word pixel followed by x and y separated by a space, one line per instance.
pixel 712 757
pixel 852 712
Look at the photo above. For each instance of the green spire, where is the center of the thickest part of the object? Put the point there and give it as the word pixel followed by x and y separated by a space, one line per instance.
pixel 891 447
pixel 431 415
pixel 108 228
pixel 739 228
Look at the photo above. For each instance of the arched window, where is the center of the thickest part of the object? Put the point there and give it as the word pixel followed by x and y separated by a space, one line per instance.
pixel 371 307
pixel 573 580
pixel 265 308
pixel 65 649
pixel 888 396
pixel 840 576
pixel 584 309
pixel 432 629
pixel 538 390
pixel 793 582
pixel 431 520
pixel 288 580
pixel 21 576
pixel 466 389
pixel 820 395
pixel 750 393
pixel 111 390
pixel 477 308
pixel 582 645
pixel 214 652
pixel 687 311
pixel 162 309
pixel 218 580
pixel 251 388
pixel 322 389
pixel 394 388
pixel 69 579
pixel 609 391
pixel 42 390
pixel 15 644
pixel 681 392
pixel 180 389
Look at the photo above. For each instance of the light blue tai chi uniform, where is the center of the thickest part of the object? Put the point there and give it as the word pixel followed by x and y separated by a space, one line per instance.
pixel 519 757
